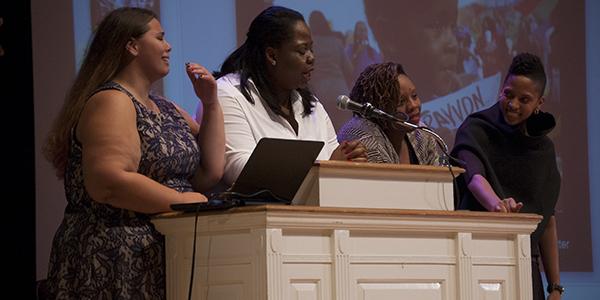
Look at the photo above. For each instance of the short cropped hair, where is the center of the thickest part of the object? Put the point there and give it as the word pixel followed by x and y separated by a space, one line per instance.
pixel 530 66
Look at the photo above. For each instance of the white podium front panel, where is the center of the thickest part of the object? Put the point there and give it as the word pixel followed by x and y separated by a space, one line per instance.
pixel 354 184
pixel 293 252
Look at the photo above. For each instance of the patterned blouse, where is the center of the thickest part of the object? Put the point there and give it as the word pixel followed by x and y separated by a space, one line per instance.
pixel 423 147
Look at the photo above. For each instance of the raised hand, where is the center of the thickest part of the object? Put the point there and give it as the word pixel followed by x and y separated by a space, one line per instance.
pixel 205 85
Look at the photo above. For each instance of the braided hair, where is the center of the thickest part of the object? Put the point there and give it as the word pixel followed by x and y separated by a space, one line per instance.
pixel 378 84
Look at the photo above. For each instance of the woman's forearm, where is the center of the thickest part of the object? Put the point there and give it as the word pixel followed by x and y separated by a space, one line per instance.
pixel 549 252
pixel 483 192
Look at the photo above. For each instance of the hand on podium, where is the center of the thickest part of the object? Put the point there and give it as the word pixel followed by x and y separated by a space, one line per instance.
pixel 508 205
pixel 350 150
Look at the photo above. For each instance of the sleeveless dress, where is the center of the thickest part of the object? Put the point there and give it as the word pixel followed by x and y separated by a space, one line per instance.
pixel 103 252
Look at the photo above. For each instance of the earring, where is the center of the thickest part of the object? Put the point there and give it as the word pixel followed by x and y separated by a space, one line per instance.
pixel 273 63
pixel 536 111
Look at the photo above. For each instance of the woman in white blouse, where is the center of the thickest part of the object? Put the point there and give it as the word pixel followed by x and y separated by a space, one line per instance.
pixel 263 92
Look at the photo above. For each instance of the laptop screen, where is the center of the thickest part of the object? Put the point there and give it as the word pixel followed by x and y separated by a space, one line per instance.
pixel 276 169
pixel 274 172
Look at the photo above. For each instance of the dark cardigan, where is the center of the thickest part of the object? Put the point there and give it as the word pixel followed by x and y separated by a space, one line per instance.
pixel 515 164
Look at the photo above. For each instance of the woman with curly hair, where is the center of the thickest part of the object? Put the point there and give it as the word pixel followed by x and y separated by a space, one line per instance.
pixel 387 87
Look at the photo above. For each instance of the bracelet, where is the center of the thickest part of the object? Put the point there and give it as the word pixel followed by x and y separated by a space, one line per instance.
pixel 555 287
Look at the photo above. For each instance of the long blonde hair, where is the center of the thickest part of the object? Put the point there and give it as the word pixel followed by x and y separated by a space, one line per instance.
pixel 105 58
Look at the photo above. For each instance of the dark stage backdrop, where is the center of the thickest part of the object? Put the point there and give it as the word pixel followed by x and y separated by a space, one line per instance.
pixel 16 91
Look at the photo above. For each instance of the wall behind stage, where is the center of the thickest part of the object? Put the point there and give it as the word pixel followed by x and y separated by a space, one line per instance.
pixel 206 31
pixel 53 72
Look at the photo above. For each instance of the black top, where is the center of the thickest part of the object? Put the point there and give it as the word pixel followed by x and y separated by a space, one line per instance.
pixel 518 165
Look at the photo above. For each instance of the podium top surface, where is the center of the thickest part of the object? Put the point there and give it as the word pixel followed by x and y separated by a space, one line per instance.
pixel 293 217
pixel 382 212
pixel 334 164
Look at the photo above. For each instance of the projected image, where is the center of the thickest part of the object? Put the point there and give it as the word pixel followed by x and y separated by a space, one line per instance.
pixel 101 8
pixel 457 52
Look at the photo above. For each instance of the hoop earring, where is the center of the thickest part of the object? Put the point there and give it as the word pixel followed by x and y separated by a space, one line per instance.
pixel 273 63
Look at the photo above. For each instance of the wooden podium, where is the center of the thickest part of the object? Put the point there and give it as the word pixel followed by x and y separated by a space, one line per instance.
pixel 333 247
pixel 308 252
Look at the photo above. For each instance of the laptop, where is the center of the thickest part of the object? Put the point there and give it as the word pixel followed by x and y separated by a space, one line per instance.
pixel 273 174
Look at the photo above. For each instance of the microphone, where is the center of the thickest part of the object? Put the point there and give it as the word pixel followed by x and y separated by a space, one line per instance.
pixel 367 110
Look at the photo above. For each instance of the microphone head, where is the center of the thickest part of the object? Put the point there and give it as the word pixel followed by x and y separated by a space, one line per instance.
pixel 345 103
pixel 342 102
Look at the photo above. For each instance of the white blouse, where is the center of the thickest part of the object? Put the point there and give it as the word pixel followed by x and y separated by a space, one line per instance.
pixel 247 123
